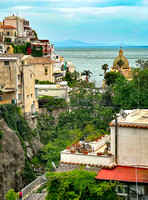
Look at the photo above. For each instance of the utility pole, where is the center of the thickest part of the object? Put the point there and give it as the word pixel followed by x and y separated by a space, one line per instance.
pixel 138 94
pixel 116 139
pixel 17 27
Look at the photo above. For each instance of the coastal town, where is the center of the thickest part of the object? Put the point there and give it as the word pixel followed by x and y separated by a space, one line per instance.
pixel 53 118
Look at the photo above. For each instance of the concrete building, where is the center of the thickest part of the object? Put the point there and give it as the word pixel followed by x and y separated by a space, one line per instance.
pixel 60 90
pixel 8 31
pixel 89 153
pixel 132 138
pixel 17 82
pixel 129 144
pixel 24 32
pixel 43 68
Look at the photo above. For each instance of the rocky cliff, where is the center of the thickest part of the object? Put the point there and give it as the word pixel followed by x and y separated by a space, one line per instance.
pixel 12 161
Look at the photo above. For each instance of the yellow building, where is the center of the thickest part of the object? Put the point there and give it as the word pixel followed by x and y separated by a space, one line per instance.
pixel 44 68
pixel 17 82
pixel 8 32
pixel 124 68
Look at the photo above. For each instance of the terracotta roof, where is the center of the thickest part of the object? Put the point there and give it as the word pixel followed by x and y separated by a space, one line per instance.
pixel 137 118
pixel 40 60
pixel 129 125
pixel 124 174
pixel 91 165
pixel 8 27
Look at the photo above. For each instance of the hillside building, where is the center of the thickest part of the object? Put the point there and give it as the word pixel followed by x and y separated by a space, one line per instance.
pixel 43 68
pixel 17 82
pixel 24 33
pixel 129 144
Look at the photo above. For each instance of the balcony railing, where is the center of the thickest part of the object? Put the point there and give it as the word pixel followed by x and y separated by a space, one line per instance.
pixel 6 102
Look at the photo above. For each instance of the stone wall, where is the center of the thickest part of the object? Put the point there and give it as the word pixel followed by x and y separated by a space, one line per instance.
pixel 12 161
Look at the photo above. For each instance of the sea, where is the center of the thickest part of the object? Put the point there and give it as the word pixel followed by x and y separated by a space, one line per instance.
pixel 92 57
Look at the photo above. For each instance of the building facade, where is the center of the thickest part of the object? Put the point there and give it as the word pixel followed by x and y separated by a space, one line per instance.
pixel 44 68
pixel 17 82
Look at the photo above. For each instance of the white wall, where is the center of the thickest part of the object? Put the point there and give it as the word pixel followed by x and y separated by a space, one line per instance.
pixel 132 146
pixel 86 159
pixel 99 143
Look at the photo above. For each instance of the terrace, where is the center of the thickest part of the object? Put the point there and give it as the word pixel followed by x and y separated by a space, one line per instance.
pixel 96 153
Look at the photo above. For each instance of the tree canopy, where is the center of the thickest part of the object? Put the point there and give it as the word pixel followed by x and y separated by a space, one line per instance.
pixel 78 185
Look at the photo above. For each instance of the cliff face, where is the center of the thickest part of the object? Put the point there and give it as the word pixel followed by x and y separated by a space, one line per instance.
pixel 12 161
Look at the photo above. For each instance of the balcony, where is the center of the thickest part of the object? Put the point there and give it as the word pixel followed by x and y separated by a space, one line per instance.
pixel 96 153
pixel 6 102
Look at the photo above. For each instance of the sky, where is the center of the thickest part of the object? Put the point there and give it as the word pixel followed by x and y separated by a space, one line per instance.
pixel 93 21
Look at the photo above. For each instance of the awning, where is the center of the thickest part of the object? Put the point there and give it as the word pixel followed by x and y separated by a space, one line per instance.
pixel 124 174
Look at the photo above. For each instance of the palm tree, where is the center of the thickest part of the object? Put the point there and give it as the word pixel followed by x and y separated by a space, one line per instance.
pixel 120 63
pixel 75 76
pixel 105 67
pixel 86 73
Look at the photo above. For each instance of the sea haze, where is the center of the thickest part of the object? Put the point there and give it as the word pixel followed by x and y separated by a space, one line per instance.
pixel 92 58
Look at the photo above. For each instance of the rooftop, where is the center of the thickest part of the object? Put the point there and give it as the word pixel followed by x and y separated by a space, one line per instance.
pixel 125 174
pixel 136 118
pixel 40 60
pixel 8 26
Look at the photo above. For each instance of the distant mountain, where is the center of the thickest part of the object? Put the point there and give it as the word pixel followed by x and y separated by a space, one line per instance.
pixel 73 43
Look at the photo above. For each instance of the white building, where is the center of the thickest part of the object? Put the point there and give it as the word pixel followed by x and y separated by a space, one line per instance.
pixel 132 139
pixel 54 90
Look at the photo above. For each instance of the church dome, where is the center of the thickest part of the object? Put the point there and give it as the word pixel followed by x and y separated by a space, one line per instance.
pixel 121 57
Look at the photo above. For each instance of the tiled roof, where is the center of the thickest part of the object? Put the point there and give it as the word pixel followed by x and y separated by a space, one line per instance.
pixel 91 165
pixel 137 118
pixel 124 174
pixel 7 26
pixel 40 60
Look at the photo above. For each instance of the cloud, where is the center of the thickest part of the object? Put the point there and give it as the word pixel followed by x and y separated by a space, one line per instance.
pixel 119 11
pixel 22 7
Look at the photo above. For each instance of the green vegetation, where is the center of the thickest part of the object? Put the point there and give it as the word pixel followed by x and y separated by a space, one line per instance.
pixel 125 94
pixel 37 52
pixel 51 102
pixel 7 40
pixel 105 67
pixel 142 64
pixel 111 77
pixel 21 48
pixel 35 33
pixel 15 121
pixel 11 195
pixel 79 185
pixel 43 82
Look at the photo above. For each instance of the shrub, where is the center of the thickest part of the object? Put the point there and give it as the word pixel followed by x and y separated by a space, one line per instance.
pixel 11 195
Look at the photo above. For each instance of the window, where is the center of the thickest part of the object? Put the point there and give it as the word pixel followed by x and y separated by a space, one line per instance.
pixel 1 97
pixel 122 189
pixel 19 97
pixel 31 76
pixel 19 87
pixel 27 97
pixel 8 33
pixel 15 34
pixel 0 47
pixel 0 33
pixel 46 71
pixel 31 96
pixel 19 77
pixel 6 63
pixel 46 90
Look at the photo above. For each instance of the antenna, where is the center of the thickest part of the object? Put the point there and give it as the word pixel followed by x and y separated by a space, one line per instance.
pixel 123 114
